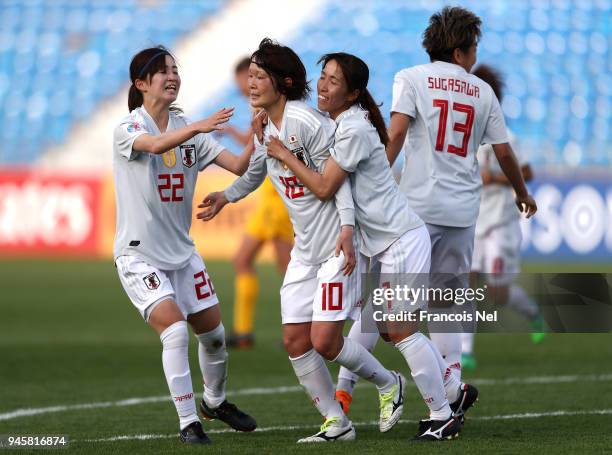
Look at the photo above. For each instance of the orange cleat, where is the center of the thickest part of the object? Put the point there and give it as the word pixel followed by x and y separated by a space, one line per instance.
pixel 345 399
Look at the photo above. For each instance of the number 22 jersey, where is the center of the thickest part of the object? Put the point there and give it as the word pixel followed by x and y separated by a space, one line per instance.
pixel 452 112
pixel 154 193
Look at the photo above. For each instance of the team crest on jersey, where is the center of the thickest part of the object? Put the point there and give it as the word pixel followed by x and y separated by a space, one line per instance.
pixel 151 281
pixel 300 154
pixel 169 158
pixel 188 154
pixel 132 127
pixel 292 139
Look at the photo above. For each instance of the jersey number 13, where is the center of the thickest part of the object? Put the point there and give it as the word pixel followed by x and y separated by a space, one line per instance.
pixel 465 128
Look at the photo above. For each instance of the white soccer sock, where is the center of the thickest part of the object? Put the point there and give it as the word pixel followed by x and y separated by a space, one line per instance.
pixel 451 384
pixel 212 355
pixel 175 342
pixel 467 343
pixel 314 376
pixel 520 302
pixel 426 374
pixel 346 378
pixel 361 362
pixel 449 346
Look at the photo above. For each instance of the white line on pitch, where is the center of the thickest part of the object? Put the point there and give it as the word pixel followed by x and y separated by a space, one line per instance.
pixel 526 415
pixel 26 412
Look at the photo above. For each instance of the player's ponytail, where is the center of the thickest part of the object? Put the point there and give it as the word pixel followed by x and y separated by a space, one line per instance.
pixel 356 74
pixel 135 98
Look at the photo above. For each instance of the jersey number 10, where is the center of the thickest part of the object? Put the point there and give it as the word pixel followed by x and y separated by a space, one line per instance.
pixel 465 128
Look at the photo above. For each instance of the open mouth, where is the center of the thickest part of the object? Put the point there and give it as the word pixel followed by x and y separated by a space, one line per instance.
pixel 171 88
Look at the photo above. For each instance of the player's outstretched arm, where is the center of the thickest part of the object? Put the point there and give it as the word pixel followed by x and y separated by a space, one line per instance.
pixel 211 206
pixel 398 128
pixel 162 143
pixel 323 186
pixel 510 167
pixel 236 164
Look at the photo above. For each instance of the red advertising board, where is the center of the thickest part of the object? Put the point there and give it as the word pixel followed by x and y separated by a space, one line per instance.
pixel 49 214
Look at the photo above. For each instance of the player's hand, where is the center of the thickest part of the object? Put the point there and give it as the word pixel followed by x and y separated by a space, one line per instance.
pixel 344 243
pixel 526 204
pixel 215 122
pixel 276 149
pixel 259 122
pixel 212 204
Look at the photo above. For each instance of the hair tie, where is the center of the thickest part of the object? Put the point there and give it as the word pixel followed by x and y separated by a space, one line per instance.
pixel 146 66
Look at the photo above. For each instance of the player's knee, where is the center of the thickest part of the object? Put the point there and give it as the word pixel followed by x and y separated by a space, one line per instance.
pixel 328 348
pixel 214 340
pixel 175 336
pixel 296 344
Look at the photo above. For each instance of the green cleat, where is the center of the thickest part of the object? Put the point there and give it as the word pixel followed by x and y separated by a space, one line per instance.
pixel 538 333
pixel 468 362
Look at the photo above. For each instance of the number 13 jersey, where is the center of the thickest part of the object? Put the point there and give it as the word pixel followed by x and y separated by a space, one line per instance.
pixel 452 112
pixel 154 193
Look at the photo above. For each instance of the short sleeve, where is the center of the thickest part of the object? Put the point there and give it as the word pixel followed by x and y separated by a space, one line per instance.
pixel 495 129
pixel 404 95
pixel 207 150
pixel 349 149
pixel 124 136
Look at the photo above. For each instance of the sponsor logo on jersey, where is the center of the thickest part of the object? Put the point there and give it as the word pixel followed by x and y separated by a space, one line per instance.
pixel 151 281
pixel 133 127
pixel 188 154
pixel 169 158
pixel 292 139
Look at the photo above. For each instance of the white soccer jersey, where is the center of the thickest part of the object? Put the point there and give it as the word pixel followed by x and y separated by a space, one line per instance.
pixel 154 193
pixel 381 210
pixel 316 224
pixel 453 112
pixel 497 205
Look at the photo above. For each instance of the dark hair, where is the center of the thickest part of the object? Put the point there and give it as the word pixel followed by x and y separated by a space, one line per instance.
pixel 280 62
pixel 449 29
pixel 143 66
pixel 242 65
pixel 356 74
pixel 492 77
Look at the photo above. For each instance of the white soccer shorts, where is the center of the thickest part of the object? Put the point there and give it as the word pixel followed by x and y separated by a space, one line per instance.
pixel 497 253
pixel 405 263
pixel 320 292
pixel 147 286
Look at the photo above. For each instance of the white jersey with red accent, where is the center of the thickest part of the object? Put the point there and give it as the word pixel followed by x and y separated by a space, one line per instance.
pixel 316 224
pixel 497 206
pixel 381 209
pixel 154 193
pixel 452 112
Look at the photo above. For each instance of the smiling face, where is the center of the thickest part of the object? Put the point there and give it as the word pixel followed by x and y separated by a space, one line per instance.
pixel 262 92
pixel 333 94
pixel 163 85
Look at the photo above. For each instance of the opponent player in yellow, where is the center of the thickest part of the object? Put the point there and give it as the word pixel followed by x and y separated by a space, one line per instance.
pixel 268 222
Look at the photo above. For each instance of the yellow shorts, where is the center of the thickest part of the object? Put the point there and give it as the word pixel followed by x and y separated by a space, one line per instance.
pixel 269 219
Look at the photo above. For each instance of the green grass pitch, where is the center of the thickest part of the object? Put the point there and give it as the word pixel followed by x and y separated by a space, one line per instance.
pixel 70 339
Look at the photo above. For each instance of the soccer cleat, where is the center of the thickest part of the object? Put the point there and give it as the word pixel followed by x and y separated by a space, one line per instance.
pixel 438 430
pixel 194 434
pixel 332 430
pixel 240 341
pixel 392 404
pixel 468 395
pixel 538 333
pixel 230 414
pixel 345 399
pixel 468 362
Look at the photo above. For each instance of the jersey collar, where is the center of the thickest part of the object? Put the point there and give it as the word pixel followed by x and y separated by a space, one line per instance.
pixel 450 66
pixel 350 111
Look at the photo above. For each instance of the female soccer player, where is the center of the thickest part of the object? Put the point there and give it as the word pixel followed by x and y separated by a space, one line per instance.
pixel 157 154
pixel 392 235
pixel 449 113
pixel 319 291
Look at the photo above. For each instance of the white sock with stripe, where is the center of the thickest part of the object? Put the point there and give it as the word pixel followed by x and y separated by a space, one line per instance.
pixel 175 342
pixel 212 355
pixel 314 376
